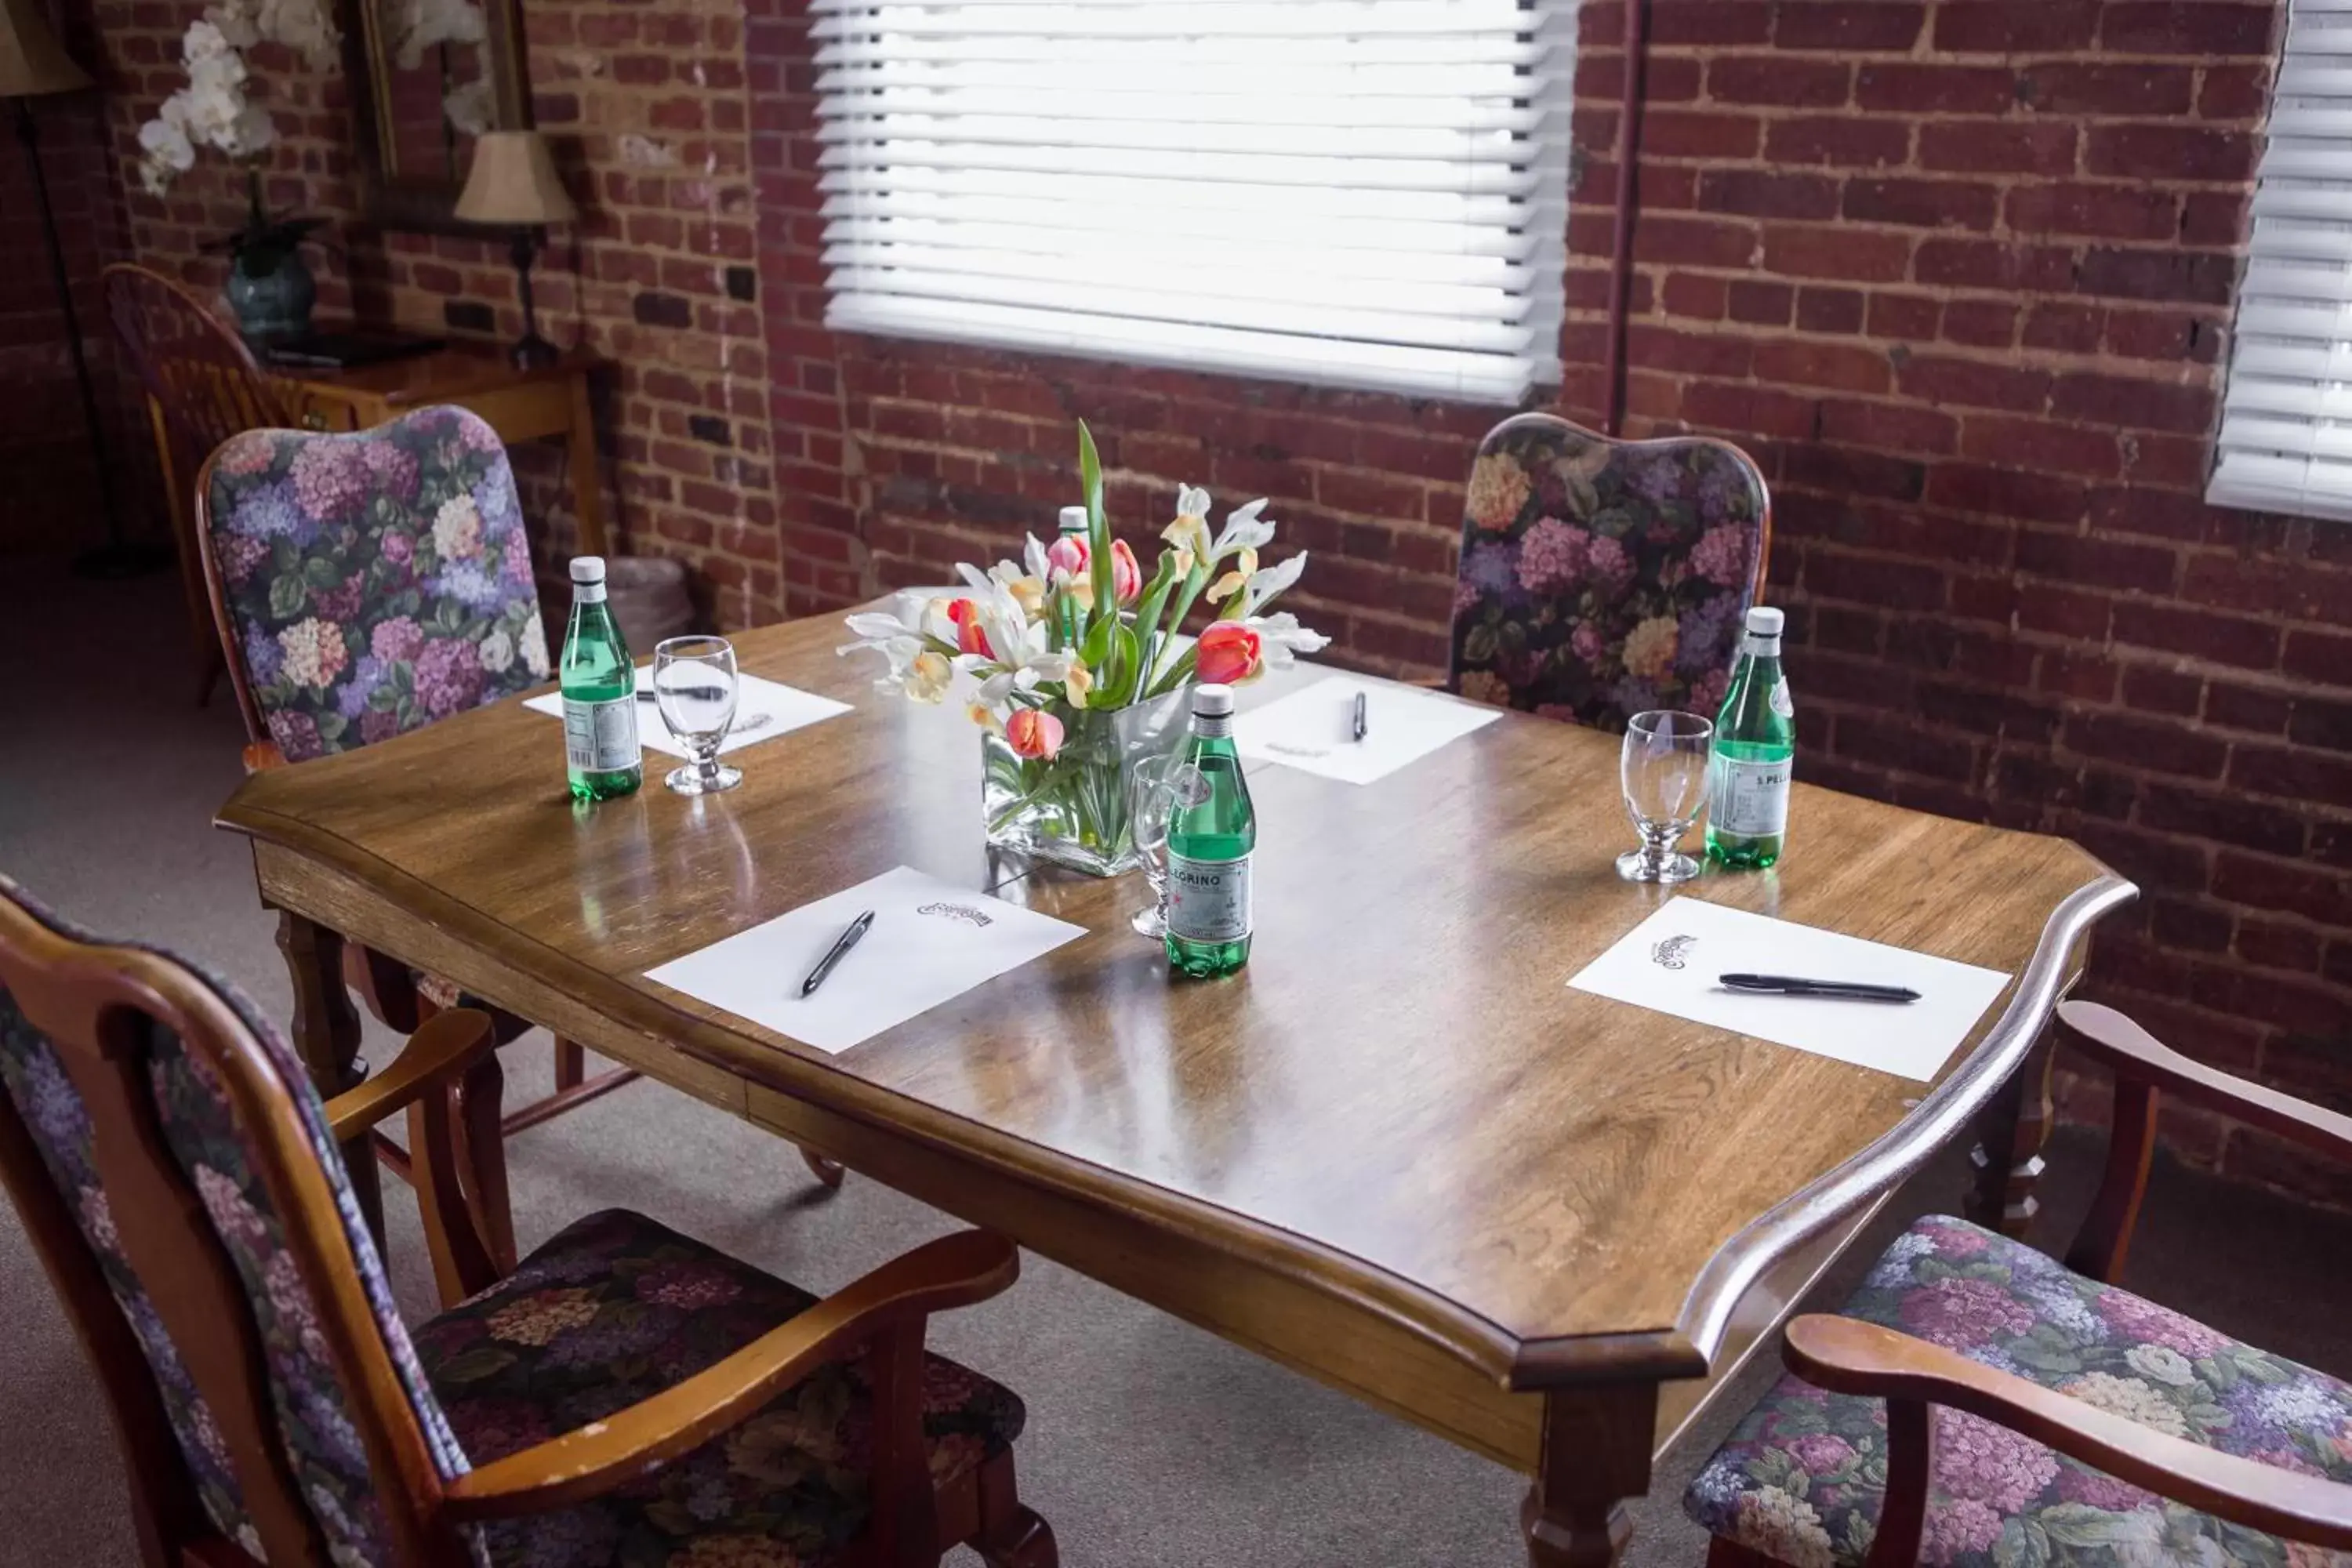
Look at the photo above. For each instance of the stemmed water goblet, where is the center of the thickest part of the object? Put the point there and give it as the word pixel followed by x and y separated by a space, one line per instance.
pixel 1151 791
pixel 694 689
pixel 1663 769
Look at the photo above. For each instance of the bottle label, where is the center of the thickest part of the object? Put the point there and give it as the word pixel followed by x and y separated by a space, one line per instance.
pixel 601 737
pixel 1208 900
pixel 1750 799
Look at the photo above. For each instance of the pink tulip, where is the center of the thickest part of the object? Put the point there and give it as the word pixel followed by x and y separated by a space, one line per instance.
pixel 971 638
pixel 1068 555
pixel 1126 577
pixel 1033 732
pixel 1227 654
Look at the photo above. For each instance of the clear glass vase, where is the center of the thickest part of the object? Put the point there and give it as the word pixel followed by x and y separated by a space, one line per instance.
pixel 1070 809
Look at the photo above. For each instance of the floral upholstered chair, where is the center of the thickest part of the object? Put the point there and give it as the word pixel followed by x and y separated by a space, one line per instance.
pixel 627 1397
pixel 366 584
pixel 1977 1404
pixel 1600 578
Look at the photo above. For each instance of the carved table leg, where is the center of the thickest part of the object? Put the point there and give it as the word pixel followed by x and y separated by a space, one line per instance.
pixel 2007 1158
pixel 327 1034
pixel 1595 1453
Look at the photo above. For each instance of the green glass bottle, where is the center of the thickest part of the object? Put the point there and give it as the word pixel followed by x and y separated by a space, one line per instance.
pixel 601 755
pixel 1754 751
pixel 1210 839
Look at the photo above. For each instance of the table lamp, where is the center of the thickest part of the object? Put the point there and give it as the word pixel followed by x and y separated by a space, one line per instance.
pixel 512 183
pixel 33 65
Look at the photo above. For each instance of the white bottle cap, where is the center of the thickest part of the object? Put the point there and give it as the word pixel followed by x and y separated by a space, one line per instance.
pixel 587 569
pixel 1074 520
pixel 1765 623
pixel 1212 700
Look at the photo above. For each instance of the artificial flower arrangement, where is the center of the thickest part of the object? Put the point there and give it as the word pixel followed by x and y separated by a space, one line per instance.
pixel 1072 663
pixel 216 110
pixel 442 26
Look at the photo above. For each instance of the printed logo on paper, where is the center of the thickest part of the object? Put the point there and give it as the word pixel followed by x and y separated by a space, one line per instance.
pixel 1672 952
pixel 964 912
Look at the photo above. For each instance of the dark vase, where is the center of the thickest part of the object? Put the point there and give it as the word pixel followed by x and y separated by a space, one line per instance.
pixel 272 291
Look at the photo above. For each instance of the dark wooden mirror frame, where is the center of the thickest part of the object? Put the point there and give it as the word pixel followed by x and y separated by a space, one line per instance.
pixel 387 199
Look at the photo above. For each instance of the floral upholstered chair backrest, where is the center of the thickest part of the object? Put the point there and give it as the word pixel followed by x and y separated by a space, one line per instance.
pixel 372 583
pixel 1600 578
pixel 324 1456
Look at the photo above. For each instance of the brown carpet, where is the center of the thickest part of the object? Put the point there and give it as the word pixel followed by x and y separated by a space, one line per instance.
pixel 1150 1445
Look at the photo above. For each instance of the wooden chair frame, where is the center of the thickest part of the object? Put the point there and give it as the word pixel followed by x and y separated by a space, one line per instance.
pixel 95 1003
pixel 1911 1375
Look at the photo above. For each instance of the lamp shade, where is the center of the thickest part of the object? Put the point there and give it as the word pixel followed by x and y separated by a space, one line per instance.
pixel 513 182
pixel 31 59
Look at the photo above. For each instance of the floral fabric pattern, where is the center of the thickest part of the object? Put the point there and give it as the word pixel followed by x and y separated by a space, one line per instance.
pixel 376 580
pixel 616 1308
pixel 1600 578
pixel 323 1450
pixel 1803 1475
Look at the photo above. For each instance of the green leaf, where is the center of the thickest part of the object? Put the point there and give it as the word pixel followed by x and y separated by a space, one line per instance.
pixel 284 557
pixel 1478 647
pixel 1148 611
pixel 2258 1366
pixel 382 700
pixel 2212 1417
pixel 2023 1544
pixel 287 596
pixel 331 726
pixel 1097 524
pixel 2219 1371
pixel 2080 1525
pixel 321 573
pixel 475 1362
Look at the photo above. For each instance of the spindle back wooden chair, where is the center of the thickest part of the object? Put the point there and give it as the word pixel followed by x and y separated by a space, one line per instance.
pixel 203 386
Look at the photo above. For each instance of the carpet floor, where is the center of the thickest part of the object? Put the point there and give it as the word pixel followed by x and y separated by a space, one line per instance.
pixel 1150 1444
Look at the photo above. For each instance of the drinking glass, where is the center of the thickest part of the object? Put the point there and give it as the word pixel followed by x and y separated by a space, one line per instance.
pixel 1151 804
pixel 694 686
pixel 1664 770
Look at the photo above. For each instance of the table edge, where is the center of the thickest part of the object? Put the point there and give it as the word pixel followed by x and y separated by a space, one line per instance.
pixel 1942 1114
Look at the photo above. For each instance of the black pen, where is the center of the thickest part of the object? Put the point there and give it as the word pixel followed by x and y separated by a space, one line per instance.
pixel 1842 990
pixel 857 928
pixel 1363 722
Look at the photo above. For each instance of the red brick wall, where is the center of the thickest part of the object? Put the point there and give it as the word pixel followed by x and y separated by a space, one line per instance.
pixel 1958 273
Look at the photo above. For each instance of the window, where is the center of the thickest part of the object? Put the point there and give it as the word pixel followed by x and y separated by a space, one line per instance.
pixel 2286 419
pixel 1365 192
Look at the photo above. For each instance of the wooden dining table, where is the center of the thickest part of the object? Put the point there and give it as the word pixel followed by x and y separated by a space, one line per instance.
pixel 1397 1152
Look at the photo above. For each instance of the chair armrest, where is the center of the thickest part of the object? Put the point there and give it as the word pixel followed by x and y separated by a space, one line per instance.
pixel 588 1461
pixel 1847 1356
pixel 263 754
pixel 435 1057
pixel 2108 1038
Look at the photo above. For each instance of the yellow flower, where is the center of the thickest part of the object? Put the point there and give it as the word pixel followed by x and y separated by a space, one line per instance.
pixel 1485 686
pixel 1030 592
pixel 1077 684
pixel 981 714
pixel 536 1319
pixel 928 681
pixel 1190 535
pixel 1233 582
pixel 1499 487
pixel 1650 649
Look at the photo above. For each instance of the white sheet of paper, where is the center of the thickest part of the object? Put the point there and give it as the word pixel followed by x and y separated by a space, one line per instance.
pixel 1313 729
pixel 788 709
pixel 1669 964
pixel 930 940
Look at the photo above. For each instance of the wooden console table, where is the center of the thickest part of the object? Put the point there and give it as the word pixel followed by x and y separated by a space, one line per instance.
pixel 520 405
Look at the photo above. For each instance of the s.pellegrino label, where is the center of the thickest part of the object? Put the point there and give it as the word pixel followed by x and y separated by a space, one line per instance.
pixel 1754 753
pixel 1211 837
pixel 602 759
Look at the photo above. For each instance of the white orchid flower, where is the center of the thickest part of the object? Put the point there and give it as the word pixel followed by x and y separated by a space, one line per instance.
pixel 1244 529
pixel 930 675
pixel 1188 534
pixel 904 636
pixel 1032 558
pixel 1273 580
pixel 1244 567
pixel 1282 638
pixel 1027 589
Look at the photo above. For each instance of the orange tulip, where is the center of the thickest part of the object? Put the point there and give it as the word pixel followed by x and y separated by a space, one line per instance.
pixel 970 636
pixel 1033 732
pixel 1227 654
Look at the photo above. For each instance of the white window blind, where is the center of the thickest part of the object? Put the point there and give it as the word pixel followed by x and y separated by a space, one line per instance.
pixel 2287 418
pixel 1366 192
